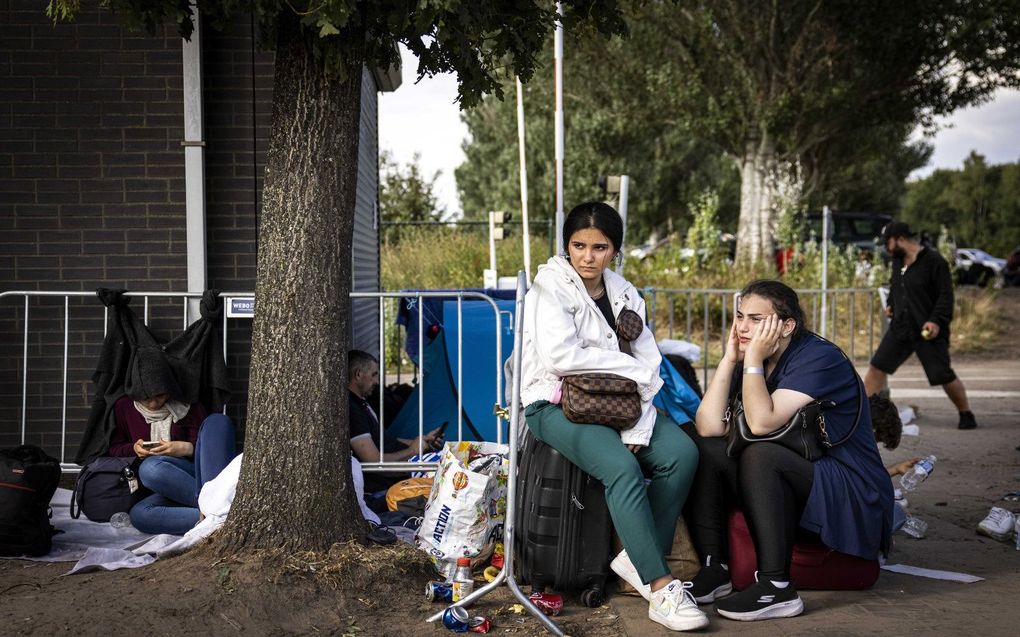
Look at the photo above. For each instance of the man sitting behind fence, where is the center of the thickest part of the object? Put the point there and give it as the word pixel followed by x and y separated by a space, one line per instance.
pixel 362 379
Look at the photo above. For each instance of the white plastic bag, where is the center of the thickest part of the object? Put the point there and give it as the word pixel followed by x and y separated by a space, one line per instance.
pixel 467 503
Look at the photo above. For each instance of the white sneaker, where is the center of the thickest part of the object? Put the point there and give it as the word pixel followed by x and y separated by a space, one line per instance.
pixel 674 608
pixel 623 567
pixel 998 524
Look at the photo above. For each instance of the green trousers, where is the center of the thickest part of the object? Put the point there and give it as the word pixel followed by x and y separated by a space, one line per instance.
pixel 645 519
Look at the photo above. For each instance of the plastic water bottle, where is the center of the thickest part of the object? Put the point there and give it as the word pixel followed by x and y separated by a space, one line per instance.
pixel 915 527
pixel 463 581
pixel 917 473
pixel 900 499
pixel 121 520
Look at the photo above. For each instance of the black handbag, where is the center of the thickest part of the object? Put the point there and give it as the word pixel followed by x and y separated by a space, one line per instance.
pixel 805 433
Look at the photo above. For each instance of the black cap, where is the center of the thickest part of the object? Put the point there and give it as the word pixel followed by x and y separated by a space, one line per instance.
pixel 896 230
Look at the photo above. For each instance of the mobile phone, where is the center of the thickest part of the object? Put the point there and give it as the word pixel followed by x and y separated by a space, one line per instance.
pixel 151 444
pixel 442 428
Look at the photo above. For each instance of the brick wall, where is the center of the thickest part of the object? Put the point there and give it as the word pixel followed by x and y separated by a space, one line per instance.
pixel 92 193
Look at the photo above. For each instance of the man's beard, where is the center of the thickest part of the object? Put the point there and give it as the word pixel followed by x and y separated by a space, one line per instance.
pixel 898 253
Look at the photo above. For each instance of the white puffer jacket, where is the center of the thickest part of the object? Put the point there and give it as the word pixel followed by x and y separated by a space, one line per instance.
pixel 566 334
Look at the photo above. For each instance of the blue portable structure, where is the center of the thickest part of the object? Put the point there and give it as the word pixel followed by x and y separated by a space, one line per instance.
pixel 440 384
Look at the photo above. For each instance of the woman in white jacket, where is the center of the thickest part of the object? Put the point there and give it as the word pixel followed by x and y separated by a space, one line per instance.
pixel 569 328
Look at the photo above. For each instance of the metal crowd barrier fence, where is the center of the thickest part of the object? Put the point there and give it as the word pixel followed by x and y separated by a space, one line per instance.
pixel 88 312
pixel 850 317
pixel 506 574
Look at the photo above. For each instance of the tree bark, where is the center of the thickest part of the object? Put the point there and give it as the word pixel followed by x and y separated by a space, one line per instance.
pixel 295 488
pixel 756 227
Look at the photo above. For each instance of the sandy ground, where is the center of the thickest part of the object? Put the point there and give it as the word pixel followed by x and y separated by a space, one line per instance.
pixel 198 595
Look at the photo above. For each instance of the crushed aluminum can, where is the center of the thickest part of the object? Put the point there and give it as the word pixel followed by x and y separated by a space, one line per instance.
pixel 439 591
pixel 479 625
pixel 548 603
pixel 456 619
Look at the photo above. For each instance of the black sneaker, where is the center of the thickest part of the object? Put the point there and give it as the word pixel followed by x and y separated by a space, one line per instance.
pixel 761 601
pixel 711 583
pixel 967 420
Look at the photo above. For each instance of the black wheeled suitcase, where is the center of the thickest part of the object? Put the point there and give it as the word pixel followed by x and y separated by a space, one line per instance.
pixel 562 524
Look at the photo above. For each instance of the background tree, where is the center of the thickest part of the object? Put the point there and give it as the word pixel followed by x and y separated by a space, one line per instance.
pixel 297 437
pixel 979 204
pixel 784 84
pixel 618 119
pixel 405 194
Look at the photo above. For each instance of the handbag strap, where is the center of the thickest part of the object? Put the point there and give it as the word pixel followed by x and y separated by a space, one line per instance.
pixel 860 399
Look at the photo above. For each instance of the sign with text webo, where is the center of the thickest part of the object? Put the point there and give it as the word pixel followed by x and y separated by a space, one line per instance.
pixel 241 307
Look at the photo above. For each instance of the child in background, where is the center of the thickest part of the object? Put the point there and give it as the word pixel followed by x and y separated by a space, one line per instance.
pixel 885 420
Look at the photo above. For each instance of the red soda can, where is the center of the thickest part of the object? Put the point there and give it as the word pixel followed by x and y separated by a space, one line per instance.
pixel 548 603
pixel 439 591
pixel 479 625
pixel 456 619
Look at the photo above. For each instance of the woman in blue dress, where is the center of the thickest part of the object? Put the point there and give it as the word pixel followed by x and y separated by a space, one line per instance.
pixel 843 500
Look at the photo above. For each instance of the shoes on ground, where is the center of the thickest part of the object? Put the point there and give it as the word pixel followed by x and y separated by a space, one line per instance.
pixel 623 567
pixel 762 600
pixel 998 524
pixel 967 420
pixel 711 582
pixel 673 607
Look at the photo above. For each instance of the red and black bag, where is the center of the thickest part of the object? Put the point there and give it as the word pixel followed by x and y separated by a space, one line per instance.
pixel 28 479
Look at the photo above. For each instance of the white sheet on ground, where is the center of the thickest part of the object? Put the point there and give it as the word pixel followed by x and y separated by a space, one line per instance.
pixel 911 430
pixel 907 415
pixel 99 546
pixel 950 576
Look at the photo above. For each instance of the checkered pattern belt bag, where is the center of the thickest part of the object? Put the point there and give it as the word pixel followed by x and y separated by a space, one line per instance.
pixel 601 399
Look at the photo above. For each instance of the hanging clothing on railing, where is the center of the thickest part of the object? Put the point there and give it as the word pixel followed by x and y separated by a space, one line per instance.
pixel 196 358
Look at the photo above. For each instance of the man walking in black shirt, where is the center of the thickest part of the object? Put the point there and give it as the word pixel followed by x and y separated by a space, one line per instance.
pixel 921 308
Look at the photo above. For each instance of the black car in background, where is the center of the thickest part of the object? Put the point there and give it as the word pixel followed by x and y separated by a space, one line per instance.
pixel 859 229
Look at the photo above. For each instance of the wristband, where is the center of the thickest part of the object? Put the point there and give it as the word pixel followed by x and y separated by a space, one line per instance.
pixel 754 370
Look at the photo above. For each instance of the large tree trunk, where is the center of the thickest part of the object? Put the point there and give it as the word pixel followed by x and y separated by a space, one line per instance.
pixel 295 488
pixel 755 228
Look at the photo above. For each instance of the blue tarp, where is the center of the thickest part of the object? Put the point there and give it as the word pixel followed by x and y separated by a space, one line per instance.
pixel 676 397
pixel 432 314
pixel 439 371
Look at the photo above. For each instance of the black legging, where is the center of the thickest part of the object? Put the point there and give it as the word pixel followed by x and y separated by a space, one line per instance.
pixel 769 482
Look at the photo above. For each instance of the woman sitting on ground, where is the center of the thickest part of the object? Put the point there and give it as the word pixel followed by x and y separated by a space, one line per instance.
pixel 570 318
pixel 179 446
pixel 843 500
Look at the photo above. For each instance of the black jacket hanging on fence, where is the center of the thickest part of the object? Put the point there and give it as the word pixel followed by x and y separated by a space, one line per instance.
pixel 196 357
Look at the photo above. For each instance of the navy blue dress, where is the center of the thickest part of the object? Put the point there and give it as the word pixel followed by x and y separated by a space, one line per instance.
pixel 851 500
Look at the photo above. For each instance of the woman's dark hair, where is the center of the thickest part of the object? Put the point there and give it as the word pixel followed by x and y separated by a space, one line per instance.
pixel 598 215
pixel 783 299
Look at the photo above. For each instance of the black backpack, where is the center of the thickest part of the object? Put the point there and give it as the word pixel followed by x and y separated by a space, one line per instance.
pixel 107 485
pixel 28 478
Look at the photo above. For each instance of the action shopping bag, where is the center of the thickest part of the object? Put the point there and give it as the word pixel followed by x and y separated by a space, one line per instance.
pixel 467 504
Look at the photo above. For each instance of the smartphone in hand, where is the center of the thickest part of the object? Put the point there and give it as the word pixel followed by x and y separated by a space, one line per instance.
pixel 151 444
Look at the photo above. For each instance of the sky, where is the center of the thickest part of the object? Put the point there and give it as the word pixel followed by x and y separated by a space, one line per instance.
pixel 423 118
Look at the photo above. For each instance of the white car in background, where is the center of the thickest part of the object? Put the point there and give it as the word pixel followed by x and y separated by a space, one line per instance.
pixel 977 267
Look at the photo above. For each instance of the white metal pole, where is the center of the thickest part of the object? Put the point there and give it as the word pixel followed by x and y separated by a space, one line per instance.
pixel 826 225
pixel 624 189
pixel 492 241
pixel 526 234
pixel 558 71
pixel 194 164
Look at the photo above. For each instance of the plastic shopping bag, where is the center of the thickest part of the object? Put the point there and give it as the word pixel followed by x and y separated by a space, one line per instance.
pixel 467 504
